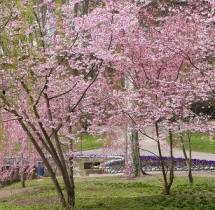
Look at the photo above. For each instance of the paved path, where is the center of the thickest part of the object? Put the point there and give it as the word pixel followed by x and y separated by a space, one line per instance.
pixel 151 145
pixel 165 151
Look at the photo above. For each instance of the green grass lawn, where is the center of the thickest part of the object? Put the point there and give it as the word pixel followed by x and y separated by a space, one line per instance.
pixel 202 143
pixel 88 142
pixel 115 194
pixel 199 142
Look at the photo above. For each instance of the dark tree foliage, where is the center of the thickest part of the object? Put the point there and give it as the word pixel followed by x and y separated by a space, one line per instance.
pixel 204 108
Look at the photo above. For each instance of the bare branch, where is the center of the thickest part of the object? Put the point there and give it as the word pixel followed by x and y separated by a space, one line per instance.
pixel 84 93
pixel 9 120
pixel 149 152
pixel 50 73
pixel 140 130
pixel 179 69
pixel 68 91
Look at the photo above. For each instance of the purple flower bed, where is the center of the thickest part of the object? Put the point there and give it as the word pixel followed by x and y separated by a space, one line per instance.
pixel 179 162
pixel 153 163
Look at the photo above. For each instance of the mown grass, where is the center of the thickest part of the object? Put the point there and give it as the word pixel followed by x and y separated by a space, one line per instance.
pixel 115 193
pixel 89 142
pixel 200 142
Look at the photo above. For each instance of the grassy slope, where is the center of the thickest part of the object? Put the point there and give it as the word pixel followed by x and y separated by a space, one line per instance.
pixel 200 142
pixel 89 142
pixel 115 194
pixel 203 143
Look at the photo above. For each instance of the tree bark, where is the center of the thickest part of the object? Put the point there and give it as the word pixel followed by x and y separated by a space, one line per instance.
pixel 190 175
pixel 188 160
pixel 45 160
pixel 136 154
pixel 134 168
pixel 132 160
pixel 168 181
pixel 70 198
pixel 161 158
pixel 172 164
pixel 22 177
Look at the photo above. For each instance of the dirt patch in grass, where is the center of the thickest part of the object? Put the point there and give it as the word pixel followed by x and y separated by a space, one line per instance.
pixel 4 193
pixel 36 201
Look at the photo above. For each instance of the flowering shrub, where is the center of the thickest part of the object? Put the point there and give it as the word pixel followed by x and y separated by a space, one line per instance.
pixel 10 174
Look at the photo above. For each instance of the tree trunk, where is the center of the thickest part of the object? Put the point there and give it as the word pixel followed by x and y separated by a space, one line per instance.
pixel 136 154
pixel 46 162
pixel 71 190
pixel 70 199
pixel 86 7
pixel 172 163
pixel 187 160
pixel 161 160
pixel 22 177
pixel 132 160
pixel 190 175
pixel 133 163
pixel 168 181
pixel 167 189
